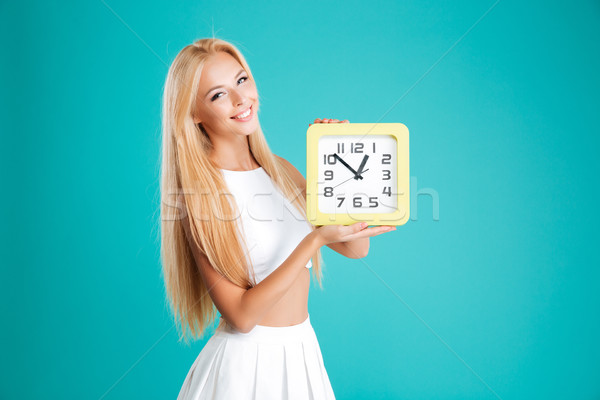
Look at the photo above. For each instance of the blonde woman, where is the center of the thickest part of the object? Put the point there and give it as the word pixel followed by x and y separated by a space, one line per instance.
pixel 235 239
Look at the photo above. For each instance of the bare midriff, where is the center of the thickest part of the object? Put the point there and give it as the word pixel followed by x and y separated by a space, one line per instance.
pixel 292 309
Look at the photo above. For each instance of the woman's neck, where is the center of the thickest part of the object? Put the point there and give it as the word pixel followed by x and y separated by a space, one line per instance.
pixel 235 157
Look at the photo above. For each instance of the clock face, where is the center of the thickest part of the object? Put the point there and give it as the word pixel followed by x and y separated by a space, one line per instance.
pixel 357 174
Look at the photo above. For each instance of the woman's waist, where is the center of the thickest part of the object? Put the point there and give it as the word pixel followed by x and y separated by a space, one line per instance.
pixel 269 334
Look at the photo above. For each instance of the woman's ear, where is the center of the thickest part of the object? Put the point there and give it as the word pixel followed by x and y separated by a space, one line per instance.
pixel 195 117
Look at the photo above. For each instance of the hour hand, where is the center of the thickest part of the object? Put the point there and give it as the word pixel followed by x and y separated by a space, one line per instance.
pixel 360 168
pixel 356 175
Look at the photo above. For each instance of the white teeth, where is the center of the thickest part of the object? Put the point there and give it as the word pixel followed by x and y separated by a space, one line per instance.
pixel 244 115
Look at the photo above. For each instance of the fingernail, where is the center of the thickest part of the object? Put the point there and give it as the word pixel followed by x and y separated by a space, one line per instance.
pixel 363 225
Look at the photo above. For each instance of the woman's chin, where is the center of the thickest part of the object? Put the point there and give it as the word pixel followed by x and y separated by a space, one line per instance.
pixel 248 129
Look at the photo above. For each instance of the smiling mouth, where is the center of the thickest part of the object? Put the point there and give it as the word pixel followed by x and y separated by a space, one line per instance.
pixel 244 114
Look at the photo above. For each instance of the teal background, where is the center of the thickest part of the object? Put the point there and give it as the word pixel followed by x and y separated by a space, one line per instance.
pixel 494 297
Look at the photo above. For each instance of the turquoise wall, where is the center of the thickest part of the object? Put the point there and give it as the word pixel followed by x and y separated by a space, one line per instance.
pixel 490 291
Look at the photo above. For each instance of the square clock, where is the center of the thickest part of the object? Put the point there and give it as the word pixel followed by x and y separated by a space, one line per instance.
pixel 357 172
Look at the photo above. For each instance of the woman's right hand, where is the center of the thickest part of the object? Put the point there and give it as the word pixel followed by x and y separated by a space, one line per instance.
pixel 344 233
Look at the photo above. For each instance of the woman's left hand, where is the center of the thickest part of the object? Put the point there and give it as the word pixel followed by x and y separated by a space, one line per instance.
pixel 328 121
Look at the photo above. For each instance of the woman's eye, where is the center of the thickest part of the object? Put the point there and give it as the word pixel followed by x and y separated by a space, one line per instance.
pixel 216 96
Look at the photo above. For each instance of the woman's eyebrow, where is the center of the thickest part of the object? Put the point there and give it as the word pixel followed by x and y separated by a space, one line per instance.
pixel 220 86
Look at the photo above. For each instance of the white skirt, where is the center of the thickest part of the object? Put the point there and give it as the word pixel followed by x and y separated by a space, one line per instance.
pixel 269 362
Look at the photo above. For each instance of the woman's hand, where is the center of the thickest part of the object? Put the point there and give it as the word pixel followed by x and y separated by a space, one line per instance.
pixel 328 234
pixel 327 121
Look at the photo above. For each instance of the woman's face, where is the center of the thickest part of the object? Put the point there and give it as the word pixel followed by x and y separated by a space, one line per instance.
pixel 226 91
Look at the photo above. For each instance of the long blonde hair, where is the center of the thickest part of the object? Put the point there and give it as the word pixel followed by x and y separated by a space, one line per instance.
pixel 191 184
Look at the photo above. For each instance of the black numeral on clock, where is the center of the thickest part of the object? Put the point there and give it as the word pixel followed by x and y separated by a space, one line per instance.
pixel 341 199
pixel 328 174
pixel 357 202
pixel 340 147
pixel 387 190
pixel 329 159
pixel 328 191
pixel 356 147
pixel 387 174
pixel 386 159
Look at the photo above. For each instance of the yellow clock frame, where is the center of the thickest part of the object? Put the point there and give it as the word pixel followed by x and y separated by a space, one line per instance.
pixel 399 132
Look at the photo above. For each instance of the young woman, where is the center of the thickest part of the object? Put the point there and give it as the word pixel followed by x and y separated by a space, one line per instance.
pixel 235 238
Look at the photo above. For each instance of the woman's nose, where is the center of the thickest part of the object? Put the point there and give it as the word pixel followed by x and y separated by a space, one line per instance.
pixel 238 98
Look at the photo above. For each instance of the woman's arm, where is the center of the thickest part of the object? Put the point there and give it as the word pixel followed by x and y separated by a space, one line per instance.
pixel 258 300
pixel 357 248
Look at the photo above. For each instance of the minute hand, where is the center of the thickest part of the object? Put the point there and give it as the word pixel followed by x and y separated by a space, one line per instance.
pixel 347 166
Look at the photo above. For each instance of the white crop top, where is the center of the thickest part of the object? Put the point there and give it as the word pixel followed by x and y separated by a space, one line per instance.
pixel 270 223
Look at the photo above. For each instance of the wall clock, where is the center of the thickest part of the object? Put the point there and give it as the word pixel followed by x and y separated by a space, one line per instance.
pixel 357 172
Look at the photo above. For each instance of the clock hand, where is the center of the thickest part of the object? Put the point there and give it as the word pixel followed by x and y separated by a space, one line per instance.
pixel 349 179
pixel 347 166
pixel 360 168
